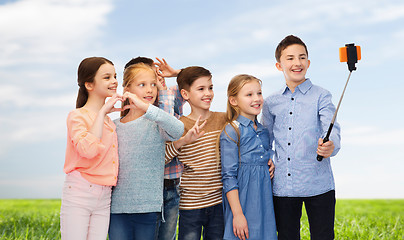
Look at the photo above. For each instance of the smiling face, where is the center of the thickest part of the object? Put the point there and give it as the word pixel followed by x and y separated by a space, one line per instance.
pixel 144 86
pixel 200 93
pixel 294 64
pixel 249 100
pixel 105 83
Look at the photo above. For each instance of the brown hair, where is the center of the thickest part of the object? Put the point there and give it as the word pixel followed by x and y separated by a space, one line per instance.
pixel 145 60
pixel 189 75
pixel 129 75
pixel 286 42
pixel 87 70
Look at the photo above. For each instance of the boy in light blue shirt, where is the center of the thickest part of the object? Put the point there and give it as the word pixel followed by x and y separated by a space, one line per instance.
pixel 297 118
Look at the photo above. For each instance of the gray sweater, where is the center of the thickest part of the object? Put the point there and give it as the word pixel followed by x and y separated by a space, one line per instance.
pixel 141 147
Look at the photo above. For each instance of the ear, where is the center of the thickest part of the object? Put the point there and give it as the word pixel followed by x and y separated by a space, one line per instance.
pixel 308 64
pixel 233 101
pixel 89 86
pixel 184 94
pixel 279 66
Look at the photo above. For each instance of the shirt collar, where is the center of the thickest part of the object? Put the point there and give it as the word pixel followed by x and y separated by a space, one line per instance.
pixel 303 87
pixel 245 121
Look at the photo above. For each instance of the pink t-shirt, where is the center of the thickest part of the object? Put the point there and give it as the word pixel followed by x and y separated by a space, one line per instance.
pixel 96 159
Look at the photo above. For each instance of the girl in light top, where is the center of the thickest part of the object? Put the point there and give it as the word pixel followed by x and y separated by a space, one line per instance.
pixel 91 161
pixel 137 199
pixel 246 157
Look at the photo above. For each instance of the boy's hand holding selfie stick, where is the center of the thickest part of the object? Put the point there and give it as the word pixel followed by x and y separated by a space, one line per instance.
pixel 349 54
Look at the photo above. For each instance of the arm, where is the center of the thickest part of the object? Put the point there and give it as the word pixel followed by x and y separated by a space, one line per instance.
pixel 166 101
pixel 229 154
pixel 170 127
pixel 326 113
pixel 86 135
pixel 108 107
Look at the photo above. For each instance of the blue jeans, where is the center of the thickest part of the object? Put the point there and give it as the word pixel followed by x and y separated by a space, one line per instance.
pixel 141 226
pixel 168 229
pixel 192 221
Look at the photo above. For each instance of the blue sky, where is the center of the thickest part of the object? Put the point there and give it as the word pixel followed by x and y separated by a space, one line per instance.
pixel 43 41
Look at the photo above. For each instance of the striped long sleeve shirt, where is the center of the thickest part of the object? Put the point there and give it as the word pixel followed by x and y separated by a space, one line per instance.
pixel 201 184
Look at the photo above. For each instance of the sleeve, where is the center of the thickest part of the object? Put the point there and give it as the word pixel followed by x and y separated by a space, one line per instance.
pixel 267 120
pixel 326 113
pixel 86 144
pixel 229 155
pixel 171 128
pixel 171 152
pixel 179 101
pixel 166 101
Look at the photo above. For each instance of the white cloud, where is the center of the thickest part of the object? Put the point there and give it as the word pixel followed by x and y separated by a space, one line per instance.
pixel 48 30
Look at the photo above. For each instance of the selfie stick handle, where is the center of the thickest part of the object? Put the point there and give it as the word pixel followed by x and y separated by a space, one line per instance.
pixel 327 136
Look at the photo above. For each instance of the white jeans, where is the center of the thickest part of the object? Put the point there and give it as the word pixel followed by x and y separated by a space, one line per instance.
pixel 85 210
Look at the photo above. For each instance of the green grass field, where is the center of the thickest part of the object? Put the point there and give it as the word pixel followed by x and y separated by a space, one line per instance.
pixel 355 219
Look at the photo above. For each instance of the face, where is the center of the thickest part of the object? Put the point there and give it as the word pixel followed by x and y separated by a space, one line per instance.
pixel 294 64
pixel 105 82
pixel 200 94
pixel 144 86
pixel 249 100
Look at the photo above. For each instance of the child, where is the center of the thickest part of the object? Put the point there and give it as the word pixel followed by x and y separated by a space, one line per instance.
pixel 171 101
pixel 297 117
pixel 245 152
pixel 137 199
pixel 91 161
pixel 200 187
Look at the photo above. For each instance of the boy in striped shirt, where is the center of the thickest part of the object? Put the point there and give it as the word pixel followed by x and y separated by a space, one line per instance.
pixel 201 186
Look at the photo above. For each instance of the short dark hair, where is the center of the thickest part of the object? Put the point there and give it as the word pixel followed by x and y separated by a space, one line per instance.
pixel 145 60
pixel 286 42
pixel 188 75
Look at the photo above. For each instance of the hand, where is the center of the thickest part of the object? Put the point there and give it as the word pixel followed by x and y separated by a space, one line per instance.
pixel 161 83
pixel 192 135
pixel 109 106
pixel 325 149
pixel 134 102
pixel 240 227
pixel 165 70
pixel 271 168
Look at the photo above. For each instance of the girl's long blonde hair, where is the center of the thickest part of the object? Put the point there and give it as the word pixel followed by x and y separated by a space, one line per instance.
pixel 129 75
pixel 233 112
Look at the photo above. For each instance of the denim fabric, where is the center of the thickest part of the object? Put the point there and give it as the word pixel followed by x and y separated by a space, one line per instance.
pixel 192 221
pixel 168 229
pixel 134 226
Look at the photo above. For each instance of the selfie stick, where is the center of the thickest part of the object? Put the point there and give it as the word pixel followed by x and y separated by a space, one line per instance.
pixel 349 54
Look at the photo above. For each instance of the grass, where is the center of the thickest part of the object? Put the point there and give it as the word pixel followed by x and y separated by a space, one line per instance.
pixel 355 219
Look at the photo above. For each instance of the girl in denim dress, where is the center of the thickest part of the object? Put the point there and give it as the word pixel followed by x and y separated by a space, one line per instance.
pixel 247 167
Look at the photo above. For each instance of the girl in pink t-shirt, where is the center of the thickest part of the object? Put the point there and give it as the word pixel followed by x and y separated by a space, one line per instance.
pixel 91 162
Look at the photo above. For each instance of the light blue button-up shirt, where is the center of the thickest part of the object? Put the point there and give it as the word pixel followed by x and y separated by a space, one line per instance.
pixel 295 122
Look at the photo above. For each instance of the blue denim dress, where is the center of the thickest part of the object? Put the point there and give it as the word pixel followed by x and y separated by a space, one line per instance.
pixel 245 167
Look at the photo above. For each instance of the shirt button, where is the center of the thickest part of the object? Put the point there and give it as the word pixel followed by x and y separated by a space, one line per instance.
pixel 258 136
pixel 112 130
pixel 288 174
pixel 292 99
pixel 261 156
pixel 260 145
pixel 289 144
pixel 290 113
pixel 113 145
pixel 113 162
pixel 290 128
pixel 288 159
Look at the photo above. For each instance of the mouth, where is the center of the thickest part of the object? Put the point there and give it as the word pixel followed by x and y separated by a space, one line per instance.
pixel 256 106
pixel 297 70
pixel 112 88
pixel 207 100
pixel 149 98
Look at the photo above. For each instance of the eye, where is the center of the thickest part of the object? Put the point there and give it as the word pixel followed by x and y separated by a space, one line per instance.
pixel 211 88
pixel 259 93
pixel 249 94
pixel 154 84
pixel 141 85
pixel 200 89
